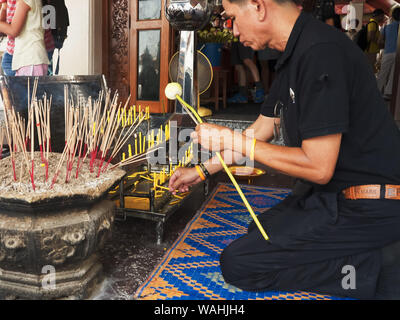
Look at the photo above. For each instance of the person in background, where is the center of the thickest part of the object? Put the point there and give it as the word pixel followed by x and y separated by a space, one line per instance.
pixel 268 58
pixel 378 18
pixel 354 23
pixel 7 12
pixel 242 56
pixel 60 33
pixel 388 40
pixel 30 56
pixel 334 21
pixel 49 42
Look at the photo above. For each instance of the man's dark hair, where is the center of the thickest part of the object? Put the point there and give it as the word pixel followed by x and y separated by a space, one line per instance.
pixel 377 13
pixel 396 14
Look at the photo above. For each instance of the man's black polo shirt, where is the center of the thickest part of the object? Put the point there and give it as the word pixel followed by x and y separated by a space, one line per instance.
pixel 324 86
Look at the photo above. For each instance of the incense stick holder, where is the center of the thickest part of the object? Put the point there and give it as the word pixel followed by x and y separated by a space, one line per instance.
pixel 49 241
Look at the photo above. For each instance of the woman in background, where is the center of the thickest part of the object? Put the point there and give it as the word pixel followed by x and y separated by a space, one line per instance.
pixel 388 40
pixel 30 56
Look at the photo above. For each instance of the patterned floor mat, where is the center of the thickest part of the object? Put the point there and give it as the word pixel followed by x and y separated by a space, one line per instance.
pixel 190 270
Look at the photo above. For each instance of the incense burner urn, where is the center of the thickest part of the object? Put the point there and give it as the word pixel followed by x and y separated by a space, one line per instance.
pixel 48 249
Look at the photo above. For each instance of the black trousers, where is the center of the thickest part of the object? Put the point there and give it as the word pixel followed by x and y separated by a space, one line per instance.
pixel 315 237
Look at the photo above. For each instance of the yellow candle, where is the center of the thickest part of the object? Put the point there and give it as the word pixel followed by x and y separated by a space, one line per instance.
pixel 140 142
pixel 130 151
pixel 134 113
pixel 144 144
pixel 123 156
pixel 166 133
pixel 136 150
pixel 149 139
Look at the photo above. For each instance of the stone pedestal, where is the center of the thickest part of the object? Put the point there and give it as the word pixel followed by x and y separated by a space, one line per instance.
pixel 52 255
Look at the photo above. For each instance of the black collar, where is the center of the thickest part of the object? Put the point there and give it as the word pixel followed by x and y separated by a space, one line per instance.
pixel 294 36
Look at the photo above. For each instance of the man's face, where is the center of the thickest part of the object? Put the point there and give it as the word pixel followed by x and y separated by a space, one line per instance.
pixel 245 23
pixel 381 19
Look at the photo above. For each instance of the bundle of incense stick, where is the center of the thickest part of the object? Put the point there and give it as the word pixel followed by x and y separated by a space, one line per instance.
pixel 41 110
pixel 93 129
pixel 2 136
pixel 101 132
pixel 15 133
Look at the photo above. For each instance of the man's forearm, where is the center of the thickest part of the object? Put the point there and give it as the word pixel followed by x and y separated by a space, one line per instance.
pixel 261 129
pixel 314 161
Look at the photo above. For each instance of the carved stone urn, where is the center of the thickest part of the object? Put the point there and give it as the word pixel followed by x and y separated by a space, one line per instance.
pixel 48 244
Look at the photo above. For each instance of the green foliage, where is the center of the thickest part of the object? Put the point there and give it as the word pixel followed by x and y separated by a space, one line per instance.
pixel 216 35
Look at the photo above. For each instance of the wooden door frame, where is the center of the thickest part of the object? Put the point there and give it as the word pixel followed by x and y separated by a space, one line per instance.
pixel 162 105
pixel 106 37
pixel 130 41
pixel 115 45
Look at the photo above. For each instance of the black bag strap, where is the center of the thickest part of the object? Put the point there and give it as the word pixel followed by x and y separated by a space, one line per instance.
pixel 57 70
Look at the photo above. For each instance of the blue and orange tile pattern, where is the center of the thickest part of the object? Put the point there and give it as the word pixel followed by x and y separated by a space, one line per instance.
pixel 190 270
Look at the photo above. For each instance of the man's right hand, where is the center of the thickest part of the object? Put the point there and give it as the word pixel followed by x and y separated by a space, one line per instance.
pixel 182 179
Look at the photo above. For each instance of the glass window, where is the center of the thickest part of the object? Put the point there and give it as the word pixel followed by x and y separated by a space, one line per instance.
pixel 149 9
pixel 149 65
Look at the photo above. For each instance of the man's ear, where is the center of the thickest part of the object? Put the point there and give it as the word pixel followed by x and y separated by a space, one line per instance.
pixel 260 7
